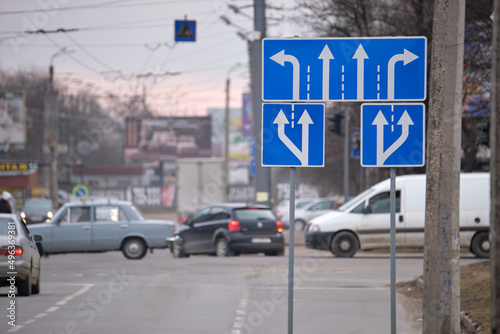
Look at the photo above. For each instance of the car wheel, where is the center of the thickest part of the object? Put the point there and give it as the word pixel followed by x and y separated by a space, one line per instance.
pixel 300 225
pixel 178 249
pixel 35 289
pixel 24 287
pixel 344 244
pixel 134 249
pixel 480 245
pixel 222 248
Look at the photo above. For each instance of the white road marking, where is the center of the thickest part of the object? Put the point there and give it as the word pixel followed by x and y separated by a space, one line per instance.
pixel 51 309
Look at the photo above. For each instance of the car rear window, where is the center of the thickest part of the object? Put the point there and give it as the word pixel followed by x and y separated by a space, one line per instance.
pixel 4 225
pixel 257 214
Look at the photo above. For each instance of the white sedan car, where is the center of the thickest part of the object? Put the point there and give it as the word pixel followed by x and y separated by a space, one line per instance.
pixel 314 209
pixel 19 256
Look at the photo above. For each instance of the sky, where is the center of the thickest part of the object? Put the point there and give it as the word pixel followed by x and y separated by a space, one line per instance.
pixel 127 47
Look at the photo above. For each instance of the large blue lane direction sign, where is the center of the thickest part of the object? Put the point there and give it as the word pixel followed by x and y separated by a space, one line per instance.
pixel 393 135
pixel 293 135
pixel 344 69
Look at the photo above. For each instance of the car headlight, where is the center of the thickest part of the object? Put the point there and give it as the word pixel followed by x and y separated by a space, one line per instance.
pixel 313 228
pixel 23 215
pixel 50 215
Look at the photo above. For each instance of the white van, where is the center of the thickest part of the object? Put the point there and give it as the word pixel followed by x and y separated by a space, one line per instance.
pixel 364 221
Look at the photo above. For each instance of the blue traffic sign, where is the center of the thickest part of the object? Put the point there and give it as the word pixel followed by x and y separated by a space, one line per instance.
pixel 344 69
pixel 393 135
pixel 293 135
pixel 80 190
pixel 185 31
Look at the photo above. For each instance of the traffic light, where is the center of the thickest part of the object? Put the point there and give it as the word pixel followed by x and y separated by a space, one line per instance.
pixel 484 133
pixel 336 120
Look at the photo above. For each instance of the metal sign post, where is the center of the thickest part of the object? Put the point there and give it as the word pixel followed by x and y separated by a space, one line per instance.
pixel 344 69
pixel 293 135
pixel 392 208
pixel 392 135
pixel 291 249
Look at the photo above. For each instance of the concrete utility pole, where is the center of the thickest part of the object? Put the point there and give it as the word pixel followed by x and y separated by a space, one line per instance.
pixel 495 174
pixel 52 140
pixel 441 299
pixel 262 174
pixel 227 128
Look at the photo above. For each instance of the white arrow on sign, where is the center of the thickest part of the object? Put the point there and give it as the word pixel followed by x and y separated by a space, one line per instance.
pixel 326 56
pixel 281 58
pixel 407 57
pixel 360 55
pixel 405 121
pixel 305 120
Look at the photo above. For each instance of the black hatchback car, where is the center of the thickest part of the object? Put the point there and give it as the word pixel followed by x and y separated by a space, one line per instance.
pixel 229 229
pixel 37 210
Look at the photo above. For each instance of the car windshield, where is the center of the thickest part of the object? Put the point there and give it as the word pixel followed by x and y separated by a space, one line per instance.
pixel 37 205
pixel 4 225
pixel 255 214
pixel 347 206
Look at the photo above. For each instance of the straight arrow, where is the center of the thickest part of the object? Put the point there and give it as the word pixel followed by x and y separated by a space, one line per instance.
pixel 305 120
pixel 380 121
pixel 407 57
pixel 281 58
pixel 360 55
pixel 326 56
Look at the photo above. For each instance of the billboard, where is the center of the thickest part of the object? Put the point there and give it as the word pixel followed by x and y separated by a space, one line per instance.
pixel 166 138
pixel 12 118
pixel 239 148
pixel 247 115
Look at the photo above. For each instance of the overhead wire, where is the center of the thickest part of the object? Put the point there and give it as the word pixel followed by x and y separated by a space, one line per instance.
pixel 72 57
pixel 109 4
pixel 194 87
pixel 88 53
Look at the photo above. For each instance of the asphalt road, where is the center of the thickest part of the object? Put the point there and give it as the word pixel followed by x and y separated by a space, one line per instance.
pixel 106 293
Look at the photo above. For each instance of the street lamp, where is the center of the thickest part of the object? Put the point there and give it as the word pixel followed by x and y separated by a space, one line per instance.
pixel 226 128
pixel 262 181
pixel 51 127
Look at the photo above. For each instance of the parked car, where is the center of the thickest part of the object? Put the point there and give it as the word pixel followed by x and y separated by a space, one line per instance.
pixel 37 210
pixel 314 209
pixel 102 225
pixel 364 222
pixel 282 210
pixel 229 229
pixel 19 254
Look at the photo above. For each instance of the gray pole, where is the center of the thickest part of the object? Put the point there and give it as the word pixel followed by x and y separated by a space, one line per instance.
pixel 346 155
pixel 441 297
pixel 226 130
pixel 262 175
pixel 495 174
pixel 226 142
pixel 291 249
pixel 392 208
pixel 52 140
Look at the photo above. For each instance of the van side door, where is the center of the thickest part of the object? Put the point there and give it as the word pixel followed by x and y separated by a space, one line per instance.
pixel 375 226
